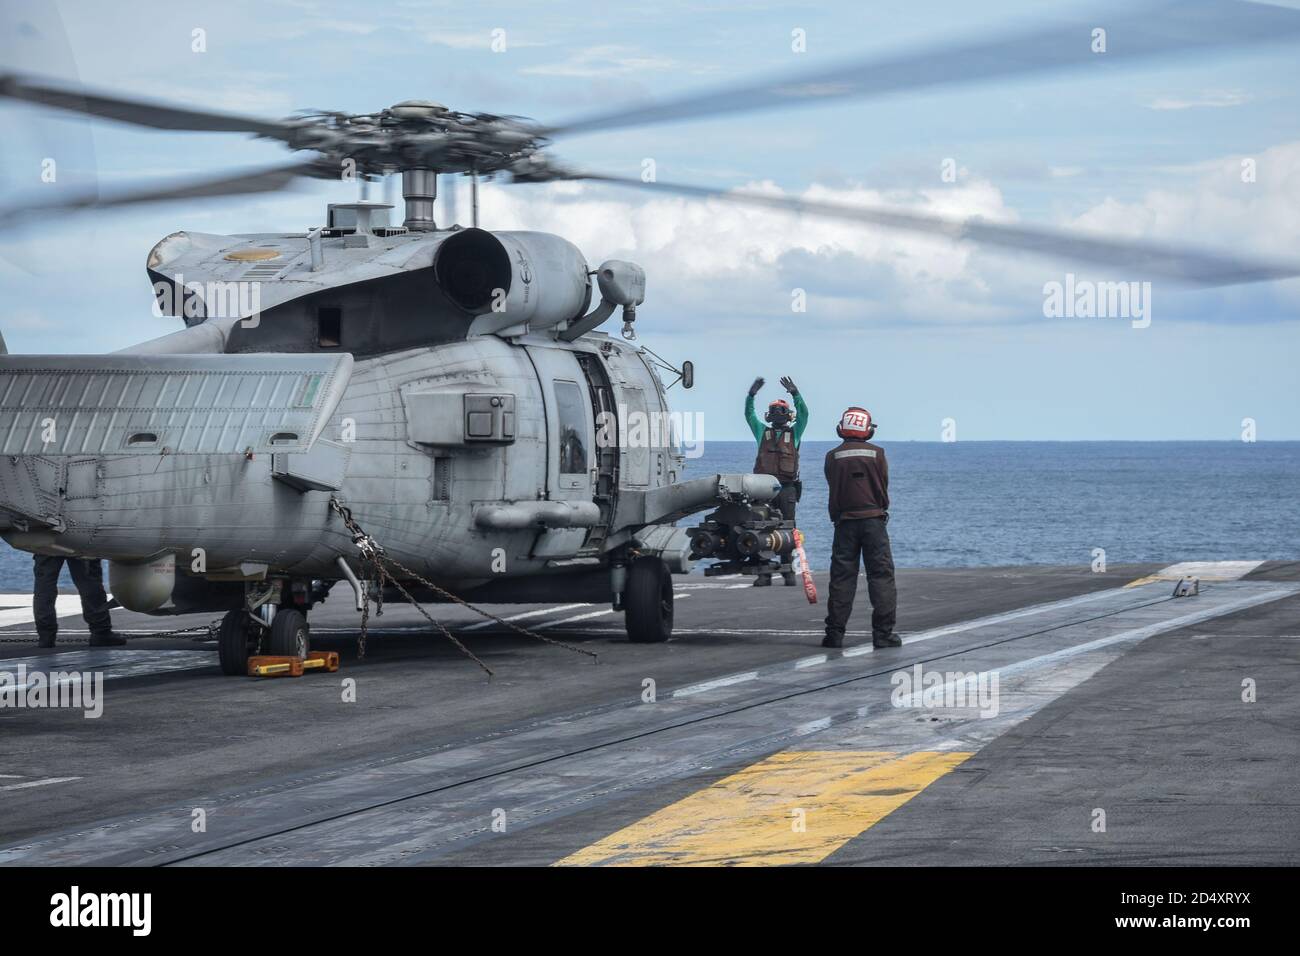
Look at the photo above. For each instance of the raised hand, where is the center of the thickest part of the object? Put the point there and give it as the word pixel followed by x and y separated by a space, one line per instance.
pixel 788 384
pixel 758 383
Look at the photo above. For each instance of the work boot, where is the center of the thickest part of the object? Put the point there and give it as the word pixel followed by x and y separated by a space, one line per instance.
pixel 833 639
pixel 762 580
pixel 45 640
pixel 886 640
pixel 789 578
pixel 108 639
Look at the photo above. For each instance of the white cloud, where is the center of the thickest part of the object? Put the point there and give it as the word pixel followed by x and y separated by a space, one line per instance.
pixel 326 25
pixel 264 94
pixel 1209 98
pixel 475 39
pixel 737 264
pixel 603 61
pixel 1217 207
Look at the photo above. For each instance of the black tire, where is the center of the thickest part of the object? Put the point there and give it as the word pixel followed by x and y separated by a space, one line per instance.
pixel 289 634
pixel 232 643
pixel 649 601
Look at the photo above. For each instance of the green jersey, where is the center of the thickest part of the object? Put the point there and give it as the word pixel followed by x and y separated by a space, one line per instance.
pixel 758 427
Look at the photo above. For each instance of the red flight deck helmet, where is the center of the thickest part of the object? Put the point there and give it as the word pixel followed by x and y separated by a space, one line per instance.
pixel 855 424
pixel 779 404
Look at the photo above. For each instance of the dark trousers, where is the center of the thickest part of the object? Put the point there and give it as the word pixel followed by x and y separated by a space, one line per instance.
pixel 88 576
pixel 787 499
pixel 863 539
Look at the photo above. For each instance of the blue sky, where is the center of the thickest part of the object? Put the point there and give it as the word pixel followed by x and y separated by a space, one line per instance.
pixel 917 330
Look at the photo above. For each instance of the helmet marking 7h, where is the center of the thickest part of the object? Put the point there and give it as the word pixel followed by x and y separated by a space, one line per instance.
pixel 855 424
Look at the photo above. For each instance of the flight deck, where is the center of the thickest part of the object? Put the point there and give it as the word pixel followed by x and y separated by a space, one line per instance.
pixel 1033 715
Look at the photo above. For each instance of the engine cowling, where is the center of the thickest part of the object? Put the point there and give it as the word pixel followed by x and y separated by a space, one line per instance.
pixel 512 278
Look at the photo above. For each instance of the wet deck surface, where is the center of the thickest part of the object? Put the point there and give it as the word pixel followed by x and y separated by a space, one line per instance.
pixel 758 748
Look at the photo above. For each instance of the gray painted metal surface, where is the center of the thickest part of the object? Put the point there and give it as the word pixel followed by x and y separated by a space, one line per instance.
pixel 361 376
pixel 418 500
pixel 166 404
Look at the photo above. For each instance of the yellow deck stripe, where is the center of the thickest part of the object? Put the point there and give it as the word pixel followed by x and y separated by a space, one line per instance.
pixel 751 818
pixel 1149 579
pixel 1208 571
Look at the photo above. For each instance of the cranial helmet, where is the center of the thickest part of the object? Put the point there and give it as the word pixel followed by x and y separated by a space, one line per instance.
pixel 855 424
pixel 779 410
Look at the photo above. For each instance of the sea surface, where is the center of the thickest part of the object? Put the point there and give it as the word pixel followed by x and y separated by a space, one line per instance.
pixel 971 504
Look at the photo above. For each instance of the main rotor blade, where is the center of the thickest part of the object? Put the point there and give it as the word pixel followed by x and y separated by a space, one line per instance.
pixel 1152 31
pixel 238 184
pixel 1138 260
pixel 137 112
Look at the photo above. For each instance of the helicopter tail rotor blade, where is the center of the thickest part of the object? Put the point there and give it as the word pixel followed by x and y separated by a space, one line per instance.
pixel 238 184
pixel 136 112
pixel 1145 31
pixel 1181 264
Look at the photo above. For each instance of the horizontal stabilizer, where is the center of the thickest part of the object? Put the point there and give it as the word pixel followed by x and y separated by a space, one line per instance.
pixel 167 404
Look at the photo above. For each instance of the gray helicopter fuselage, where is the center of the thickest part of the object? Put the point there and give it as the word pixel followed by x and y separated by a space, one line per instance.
pixel 418 498
pixel 474 423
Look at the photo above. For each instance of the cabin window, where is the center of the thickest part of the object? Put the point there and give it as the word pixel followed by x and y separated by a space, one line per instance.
pixel 329 327
pixel 571 409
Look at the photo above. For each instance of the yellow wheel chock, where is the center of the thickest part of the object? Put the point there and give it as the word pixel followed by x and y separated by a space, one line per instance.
pixel 270 666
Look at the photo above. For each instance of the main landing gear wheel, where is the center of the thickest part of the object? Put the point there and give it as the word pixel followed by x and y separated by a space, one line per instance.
pixel 233 642
pixel 289 634
pixel 649 601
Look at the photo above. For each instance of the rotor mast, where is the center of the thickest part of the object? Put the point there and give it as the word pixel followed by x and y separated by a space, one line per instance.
pixel 419 190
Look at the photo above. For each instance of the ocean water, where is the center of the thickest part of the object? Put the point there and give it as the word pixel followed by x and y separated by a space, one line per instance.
pixel 973 504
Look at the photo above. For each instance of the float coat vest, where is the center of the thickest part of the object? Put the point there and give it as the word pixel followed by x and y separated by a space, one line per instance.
pixel 858 479
pixel 777 455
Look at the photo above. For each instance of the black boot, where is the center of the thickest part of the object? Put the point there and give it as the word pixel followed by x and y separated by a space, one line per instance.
pixel 886 640
pixel 762 580
pixel 833 639
pixel 108 639
pixel 45 640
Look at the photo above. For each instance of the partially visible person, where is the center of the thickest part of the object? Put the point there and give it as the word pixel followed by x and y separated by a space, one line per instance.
pixel 88 575
pixel 778 454
pixel 857 475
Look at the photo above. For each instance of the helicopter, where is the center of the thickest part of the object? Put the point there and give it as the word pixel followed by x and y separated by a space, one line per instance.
pixel 438 405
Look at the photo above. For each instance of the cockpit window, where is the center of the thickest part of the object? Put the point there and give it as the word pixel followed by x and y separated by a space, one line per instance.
pixel 572 411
